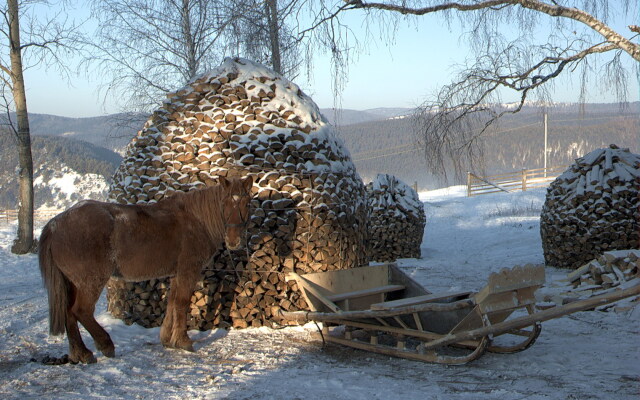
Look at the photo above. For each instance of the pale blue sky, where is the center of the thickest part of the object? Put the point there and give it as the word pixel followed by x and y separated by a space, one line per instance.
pixel 385 75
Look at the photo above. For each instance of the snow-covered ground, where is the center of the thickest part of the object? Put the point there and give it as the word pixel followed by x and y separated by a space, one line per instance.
pixel 588 355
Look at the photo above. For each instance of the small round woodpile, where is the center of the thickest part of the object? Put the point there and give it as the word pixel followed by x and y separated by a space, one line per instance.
pixel 397 219
pixel 591 208
pixel 308 211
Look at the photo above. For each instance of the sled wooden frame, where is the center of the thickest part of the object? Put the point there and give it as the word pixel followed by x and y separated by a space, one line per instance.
pixel 380 309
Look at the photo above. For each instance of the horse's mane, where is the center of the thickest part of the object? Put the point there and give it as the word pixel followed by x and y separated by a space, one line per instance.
pixel 206 205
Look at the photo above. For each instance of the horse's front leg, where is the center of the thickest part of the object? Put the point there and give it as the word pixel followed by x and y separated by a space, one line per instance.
pixel 182 287
pixel 166 331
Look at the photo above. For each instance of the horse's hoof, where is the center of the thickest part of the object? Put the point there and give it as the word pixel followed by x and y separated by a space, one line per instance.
pixel 187 346
pixel 107 349
pixel 165 338
pixel 110 352
pixel 87 358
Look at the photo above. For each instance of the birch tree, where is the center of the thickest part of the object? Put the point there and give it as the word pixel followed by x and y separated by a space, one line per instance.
pixel 580 42
pixel 266 31
pixel 146 48
pixel 29 42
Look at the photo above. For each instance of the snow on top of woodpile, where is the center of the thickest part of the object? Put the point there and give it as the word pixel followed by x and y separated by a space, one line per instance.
pixel 288 95
pixel 387 190
pixel 281 110
pixel 602 168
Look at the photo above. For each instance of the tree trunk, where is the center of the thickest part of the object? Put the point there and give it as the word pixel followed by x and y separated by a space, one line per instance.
pixel 187 37
pixel 271 8
pixel 24 241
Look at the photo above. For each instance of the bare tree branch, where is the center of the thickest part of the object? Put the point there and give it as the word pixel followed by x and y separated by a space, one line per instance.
pixel 554 10
pixel 451 126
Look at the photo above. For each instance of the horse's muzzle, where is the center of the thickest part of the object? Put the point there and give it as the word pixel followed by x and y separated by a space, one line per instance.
pixel 235 244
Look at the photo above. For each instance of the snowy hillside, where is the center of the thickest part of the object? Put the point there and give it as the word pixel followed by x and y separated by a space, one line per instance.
pixel 589 355
pixel 65 171
pixel 60 187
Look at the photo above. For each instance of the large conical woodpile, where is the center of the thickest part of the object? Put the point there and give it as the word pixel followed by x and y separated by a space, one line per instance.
pixel 591 208
pixel 308 211
pixel 397 219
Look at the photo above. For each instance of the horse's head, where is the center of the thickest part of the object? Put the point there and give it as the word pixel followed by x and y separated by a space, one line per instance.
pixel 235 209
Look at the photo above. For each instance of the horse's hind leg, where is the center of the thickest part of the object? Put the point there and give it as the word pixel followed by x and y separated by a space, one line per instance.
pixel 83 308
pixel 78 352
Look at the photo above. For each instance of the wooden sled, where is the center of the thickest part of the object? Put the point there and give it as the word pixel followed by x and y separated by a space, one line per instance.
pixel 380 309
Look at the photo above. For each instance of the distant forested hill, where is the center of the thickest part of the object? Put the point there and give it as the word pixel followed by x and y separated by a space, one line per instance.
pixel 389 146
pixel 60 164
pixel 110 131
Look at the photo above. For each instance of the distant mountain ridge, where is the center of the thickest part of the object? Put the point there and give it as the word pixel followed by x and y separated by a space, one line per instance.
pixel 347 117
pixel 82 152
pixel 112 131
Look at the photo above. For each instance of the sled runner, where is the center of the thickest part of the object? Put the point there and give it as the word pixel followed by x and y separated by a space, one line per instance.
pixel 381 309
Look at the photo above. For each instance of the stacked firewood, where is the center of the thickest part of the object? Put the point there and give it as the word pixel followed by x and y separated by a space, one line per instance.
pixel 308 211
pixel 593 207
pixel 397 219
pixel 611 269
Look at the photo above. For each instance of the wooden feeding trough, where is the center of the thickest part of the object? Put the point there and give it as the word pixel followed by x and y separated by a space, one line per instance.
pixel 381 309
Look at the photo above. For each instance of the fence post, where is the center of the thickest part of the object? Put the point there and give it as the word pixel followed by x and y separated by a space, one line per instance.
pixel 468 184
pixel 415 186
pixel 524 180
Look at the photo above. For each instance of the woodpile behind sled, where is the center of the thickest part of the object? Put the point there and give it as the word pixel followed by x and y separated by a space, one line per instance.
pixel 397 219
pixel 308 207
pixel 593 207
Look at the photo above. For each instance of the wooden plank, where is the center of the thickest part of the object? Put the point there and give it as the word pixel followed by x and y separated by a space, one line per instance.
pixel 304 316
pixel 411 301
pixel 473 320
pixel 512 279
pixel 426 335
pixel 350 280
pixel 511 300
pixel 417 321
pixel 316 293
pixel 401 322
pixel 365 292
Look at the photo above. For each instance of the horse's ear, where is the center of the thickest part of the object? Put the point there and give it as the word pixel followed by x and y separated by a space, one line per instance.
pixel 247 183
pixel 224 182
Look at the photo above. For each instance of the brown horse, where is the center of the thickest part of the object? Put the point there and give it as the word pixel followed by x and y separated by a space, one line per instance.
pixel 81 248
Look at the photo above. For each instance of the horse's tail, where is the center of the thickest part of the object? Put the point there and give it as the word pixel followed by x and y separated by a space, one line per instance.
pixel 57 285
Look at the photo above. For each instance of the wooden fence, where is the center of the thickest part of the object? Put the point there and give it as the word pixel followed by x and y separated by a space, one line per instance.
pixel 513 181
pixel 38 215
